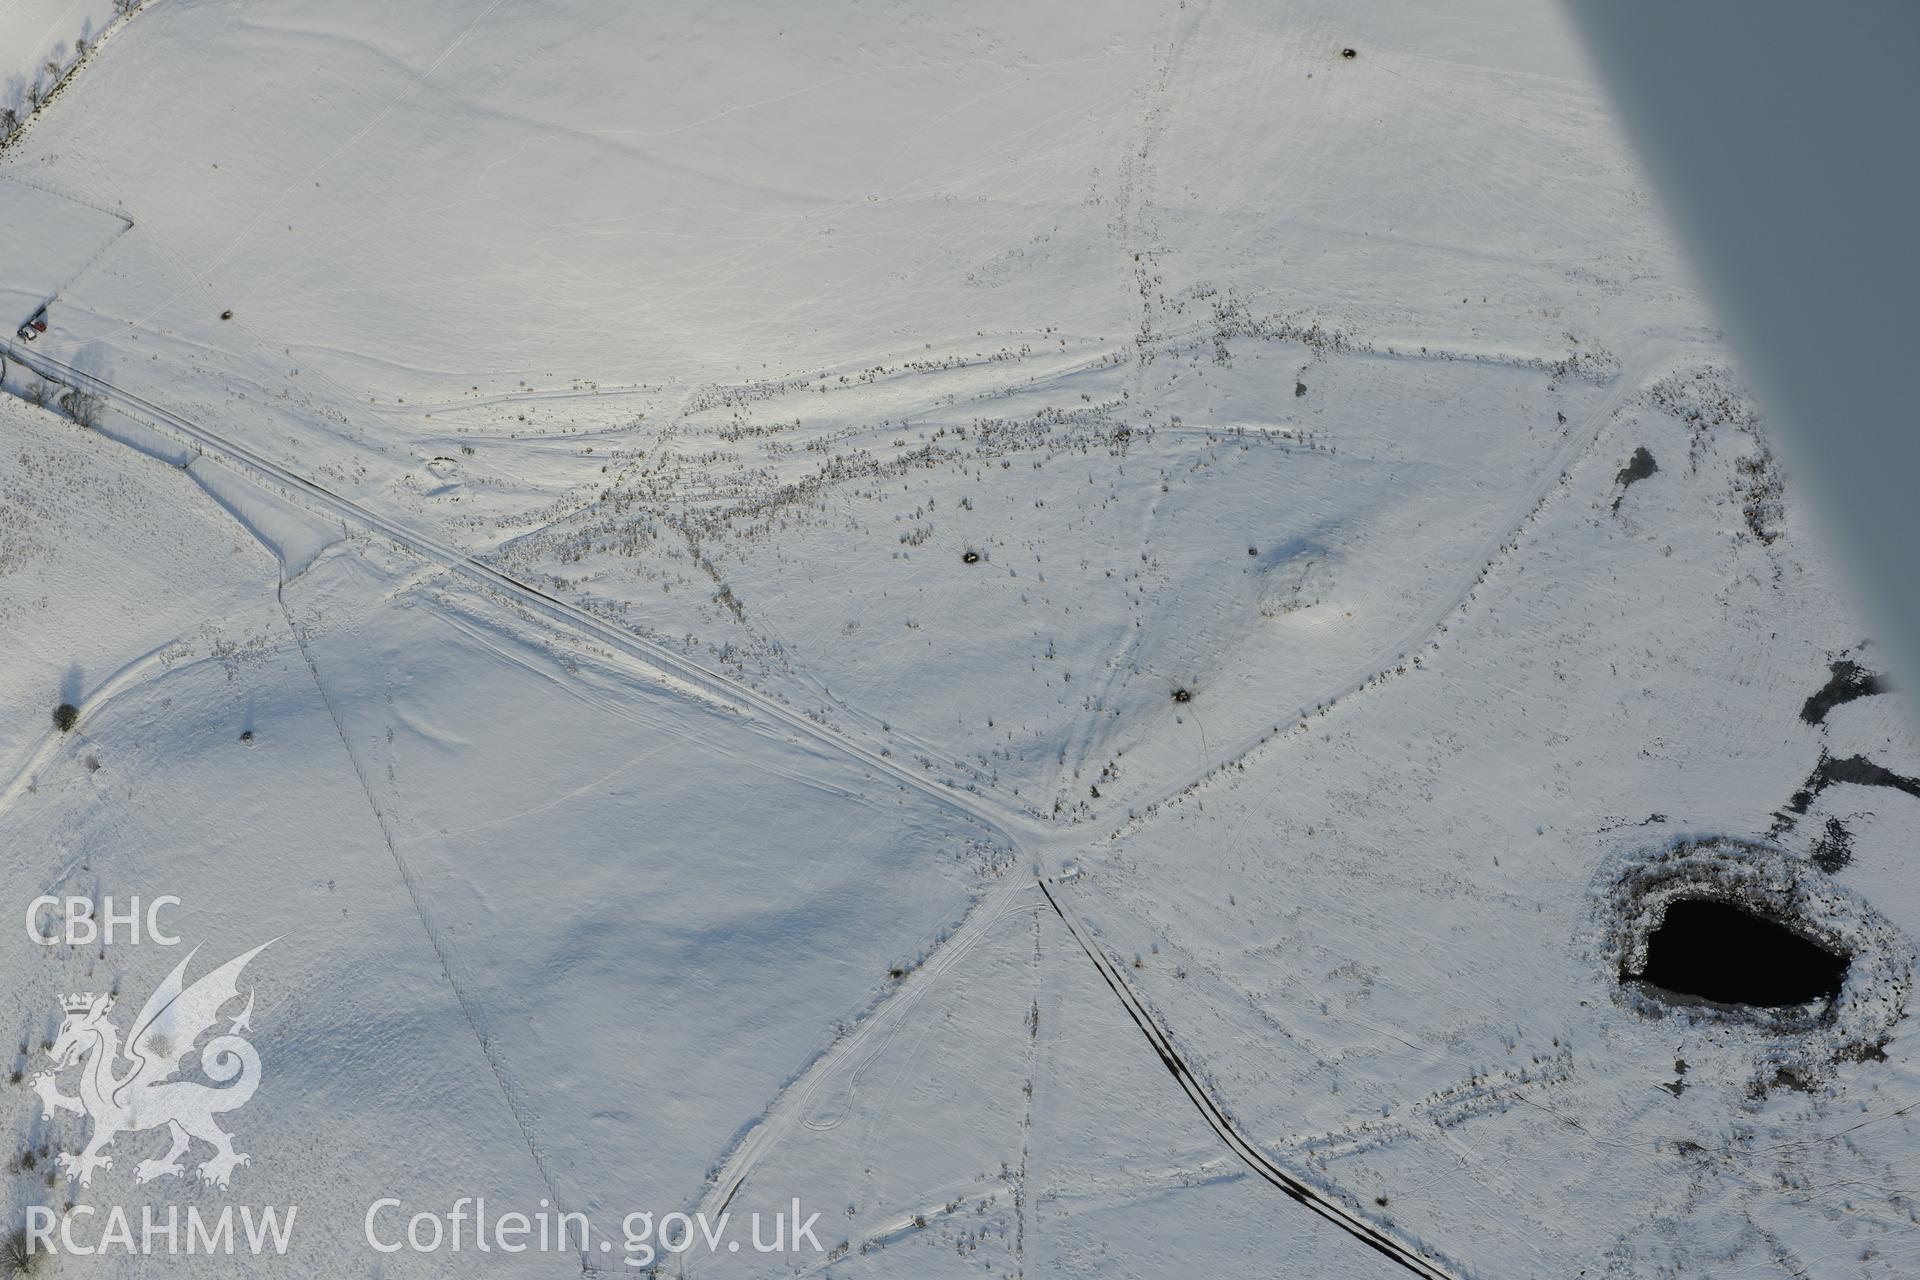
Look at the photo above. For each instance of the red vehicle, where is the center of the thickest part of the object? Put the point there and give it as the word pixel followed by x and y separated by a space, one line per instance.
pixel 35 325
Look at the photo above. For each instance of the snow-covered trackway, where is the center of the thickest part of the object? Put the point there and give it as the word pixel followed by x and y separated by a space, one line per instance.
pixel 1635 371
pixel 1418 1261
pixel 675 668
pixel 1023 832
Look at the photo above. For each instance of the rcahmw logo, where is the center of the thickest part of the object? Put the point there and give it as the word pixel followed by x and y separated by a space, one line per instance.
pixel 125 1091
pixel 79 921
pixel 162 1231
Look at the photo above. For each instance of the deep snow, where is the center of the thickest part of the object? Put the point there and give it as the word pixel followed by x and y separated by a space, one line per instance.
pixel 934 450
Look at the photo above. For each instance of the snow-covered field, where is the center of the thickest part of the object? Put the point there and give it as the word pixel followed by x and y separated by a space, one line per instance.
pixel 1084 639
pixel 41 41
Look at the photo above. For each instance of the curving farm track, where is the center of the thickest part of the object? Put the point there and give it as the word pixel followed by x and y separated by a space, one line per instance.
pixel 1021 831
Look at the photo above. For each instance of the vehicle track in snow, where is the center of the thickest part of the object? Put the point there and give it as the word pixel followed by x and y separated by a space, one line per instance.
pixel 1021 831
pixel 842 1063
pixel 53 740
pixel 674 668
pixel 512 1093
pixel 1420 1261
pixel 1633 375
pixel 790 1106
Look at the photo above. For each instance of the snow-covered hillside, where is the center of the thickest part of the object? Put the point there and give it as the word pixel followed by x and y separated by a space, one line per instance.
pixel 1089 640
pixel 43 43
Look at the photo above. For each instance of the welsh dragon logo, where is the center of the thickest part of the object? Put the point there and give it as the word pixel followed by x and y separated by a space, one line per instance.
pixel 125 1093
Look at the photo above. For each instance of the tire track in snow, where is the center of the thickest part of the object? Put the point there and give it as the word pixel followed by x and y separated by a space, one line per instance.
pixel 791 1106
pixel 673 668
pixel 1632 376
pixel 470 1008
pixel 1420 1261
pixel 700 681
pixel 27 775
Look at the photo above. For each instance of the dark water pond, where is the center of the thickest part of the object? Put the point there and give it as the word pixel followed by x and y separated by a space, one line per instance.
pixel 1717 951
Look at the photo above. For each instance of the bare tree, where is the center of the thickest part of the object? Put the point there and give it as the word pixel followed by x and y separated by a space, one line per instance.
pixel 82 406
